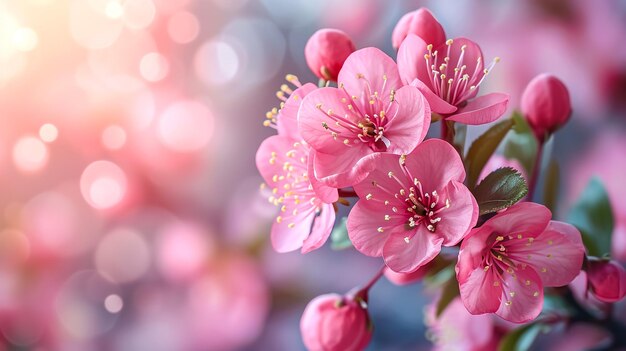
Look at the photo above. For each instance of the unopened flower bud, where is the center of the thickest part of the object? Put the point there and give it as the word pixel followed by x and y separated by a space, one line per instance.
pixel 546 104
pixel 607 279
pixel 333 322
pixel 421 23
pixel 326 51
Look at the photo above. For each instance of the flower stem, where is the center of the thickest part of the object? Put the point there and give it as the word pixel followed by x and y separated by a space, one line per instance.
pixel 362 293
pixel 535 172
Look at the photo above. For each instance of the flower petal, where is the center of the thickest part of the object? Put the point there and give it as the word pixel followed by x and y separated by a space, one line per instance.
pixel 522 296
pixel 556 254
pixel 481 110
pixel 272 155
pixel 436 103
pixel 526 218
pixel 435 163
pixel 411 62
pixel 322 226
pixel 362 229
pixel 410 124
pixel 313 117
pixel 345 169
pixel 460 217
pixel 323 192
pixel 480 291
pixel 287 121
pixel 367 68
pixel 404 256
pixel 472 60
pixel 472 251
pixel 290 231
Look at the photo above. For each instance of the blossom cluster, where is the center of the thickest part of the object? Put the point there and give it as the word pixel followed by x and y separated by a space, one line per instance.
pixel 362 133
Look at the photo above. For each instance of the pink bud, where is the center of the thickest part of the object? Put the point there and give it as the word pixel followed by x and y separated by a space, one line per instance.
pixel 421 23
pixel 408 278
pixel 607 279
pixel 546 104
pixel 333 322
pixel 326 51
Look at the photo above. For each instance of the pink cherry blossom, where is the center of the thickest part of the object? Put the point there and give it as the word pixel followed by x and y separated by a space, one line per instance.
pixel 285 162
pixel 408 278
pixel 546 104
pixel 412 205
pixel 370 112
pixel 422 23
pixel 449 75
pixel 607 279
pixel 326 51
pixel 333 322
pixel 504 265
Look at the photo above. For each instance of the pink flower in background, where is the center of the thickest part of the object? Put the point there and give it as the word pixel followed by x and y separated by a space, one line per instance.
pixel 498 161
pixel 607 279
pixel 412 205
pixel 370 112
pixel 449 75
pixel 546 104
pixel 422 23
pixel 333 322
pixel 504 265
pixel 285 162
pixel 456 329
pixel 326 51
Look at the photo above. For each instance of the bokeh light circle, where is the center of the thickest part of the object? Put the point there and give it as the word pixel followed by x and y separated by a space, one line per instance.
pixel 113 137
pixel 216 62
pixel 154 67
pixel 103 184
pixel 183 27
pixel 183 249
pixel 25 39
pixel 122 256
pixel 113 303
pixel 96 24
pixel 30 154
pixel 185 126
pixel 48 132
pixel 139 14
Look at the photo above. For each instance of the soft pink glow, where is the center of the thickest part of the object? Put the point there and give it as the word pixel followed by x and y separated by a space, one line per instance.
pixel 122 256
pixel 185 126
pixel 153 67
pixel 183 249
pixel 30 154
pixel 103 184
pixel 114 137
pixel 183 27
pixel 48 132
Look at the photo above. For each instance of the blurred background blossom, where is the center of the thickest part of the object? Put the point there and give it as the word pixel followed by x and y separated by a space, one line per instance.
pixel 130 215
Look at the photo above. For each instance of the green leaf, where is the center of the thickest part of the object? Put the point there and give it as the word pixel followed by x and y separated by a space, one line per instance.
pixel 339 239
pixel 522 144
pixel 448 293
pixel 551 186
pixel 482 149
pixel 592 215
pixel 499 190
pixel 520 339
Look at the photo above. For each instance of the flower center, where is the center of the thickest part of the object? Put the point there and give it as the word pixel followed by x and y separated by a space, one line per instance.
pixel 451 81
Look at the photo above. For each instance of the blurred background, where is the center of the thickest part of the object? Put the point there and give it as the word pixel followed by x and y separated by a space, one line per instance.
pixel 130 215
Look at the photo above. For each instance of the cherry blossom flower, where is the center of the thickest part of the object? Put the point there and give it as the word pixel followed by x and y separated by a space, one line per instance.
pixel 370 112
pixel 607 279
pixel 504 265
pixel 285 162
pixel 326 51
pixel 412 205
pixel 449 75
pixel 422 23
pixel 333 322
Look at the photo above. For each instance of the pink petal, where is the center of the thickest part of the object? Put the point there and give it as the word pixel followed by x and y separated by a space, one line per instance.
pixel 471 253
pixel 411 62
pixel 280 146
pixel 470 60
pixel 526 218
pixel 346 169
pixel 403 257
pixel 481 291
pixel 369 65
pixel 556 254
pixel 460 218
pixel 322 227
pixel 287 121
pixel 436 103
pixel 313 115
pixel 286 238
pixel 483 109
pixel 420 22
pixel 435 163
pixel 522 296
pixel 325 193
pixel 362 225
pixel 410 124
